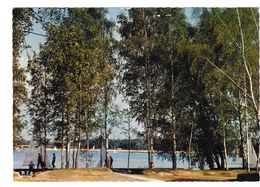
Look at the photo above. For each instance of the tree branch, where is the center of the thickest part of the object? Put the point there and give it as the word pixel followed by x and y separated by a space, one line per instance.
pixel 231 36
pixel 225 74
pixel 229 33
pixel 245 62
pixel 256 23
pixel 30 32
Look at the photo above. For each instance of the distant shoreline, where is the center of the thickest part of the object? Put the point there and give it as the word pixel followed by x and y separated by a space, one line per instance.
pixel 96 150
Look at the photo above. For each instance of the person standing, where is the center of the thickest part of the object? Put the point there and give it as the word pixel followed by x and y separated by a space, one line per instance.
pixel 53 160
pixel 31 167
pixel 39 161
pixel 106 163
pixel 111 161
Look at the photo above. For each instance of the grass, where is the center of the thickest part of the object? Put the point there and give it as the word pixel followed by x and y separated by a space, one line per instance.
pixel 191 175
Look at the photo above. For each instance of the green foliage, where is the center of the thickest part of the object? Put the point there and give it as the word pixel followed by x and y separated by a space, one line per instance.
pixel 21 25
pixel 168 82
pixel 76 63
pixel 161 65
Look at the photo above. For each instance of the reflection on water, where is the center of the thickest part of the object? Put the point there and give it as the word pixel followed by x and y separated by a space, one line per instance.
pixel 137 160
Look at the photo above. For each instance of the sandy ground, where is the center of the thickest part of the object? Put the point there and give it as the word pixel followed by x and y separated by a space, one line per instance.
pixel 154 175
pixel 140 177
pixel 70 175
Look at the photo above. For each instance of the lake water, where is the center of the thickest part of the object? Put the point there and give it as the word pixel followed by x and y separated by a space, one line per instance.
pixel 137 160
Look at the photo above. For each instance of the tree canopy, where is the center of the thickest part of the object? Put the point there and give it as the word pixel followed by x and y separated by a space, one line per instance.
pixel 194 88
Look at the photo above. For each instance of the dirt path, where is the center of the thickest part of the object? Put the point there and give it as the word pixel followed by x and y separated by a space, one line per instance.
pixel 138 177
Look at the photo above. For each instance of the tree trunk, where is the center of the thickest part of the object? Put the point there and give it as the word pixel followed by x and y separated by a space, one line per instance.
pixel 45 133
pixel 241 131
pixel 105 124
pixel 62 154
pixel 79 126
pixel 77 154
pixel 68 153
pixel 87 153
pixel 190 141
pixel 101 156
pixel 79 132
pixel 45 146
pixel 45 117
pixel 258 111
pixel 174 160
pixel 68 142
pixel 78 151
pixel 246 125
pixel 219 166
pixel 210 161
pixel 258 120
pixel 87 142
pixel 225 151
pixel 129 146
pixel 106 149
pixel 149 147
pixel 222 159
pixel 87 137
pixel 173 122
pixel 151 141
pixel 73 151
pixel 147 91
pixel 62 141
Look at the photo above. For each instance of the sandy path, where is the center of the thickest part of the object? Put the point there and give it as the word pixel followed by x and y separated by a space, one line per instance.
pixel 138 177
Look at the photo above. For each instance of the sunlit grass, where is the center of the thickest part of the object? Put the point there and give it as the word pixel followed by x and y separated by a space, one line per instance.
pixel 192 175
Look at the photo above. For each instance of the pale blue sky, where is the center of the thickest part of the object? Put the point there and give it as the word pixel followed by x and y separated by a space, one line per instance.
pixel 34 41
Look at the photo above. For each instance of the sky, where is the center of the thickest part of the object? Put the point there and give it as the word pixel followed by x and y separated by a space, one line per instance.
pixel 35 40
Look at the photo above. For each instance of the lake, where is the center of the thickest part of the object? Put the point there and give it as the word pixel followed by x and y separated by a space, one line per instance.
pixel 137 160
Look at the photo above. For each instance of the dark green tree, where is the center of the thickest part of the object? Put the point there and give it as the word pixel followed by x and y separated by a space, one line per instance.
pixel 22 24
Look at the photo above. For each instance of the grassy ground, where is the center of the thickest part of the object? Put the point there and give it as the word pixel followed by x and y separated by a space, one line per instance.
pixel 189 175
pixel 98 174
pixel 70 175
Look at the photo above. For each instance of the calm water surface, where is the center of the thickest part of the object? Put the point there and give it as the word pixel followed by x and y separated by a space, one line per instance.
pixel 137 160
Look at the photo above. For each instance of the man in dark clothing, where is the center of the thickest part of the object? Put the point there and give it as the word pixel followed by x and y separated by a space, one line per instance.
pixel 39 161
pixel 53 160
pixel 111 161
pixel 31 167
pixel 106 162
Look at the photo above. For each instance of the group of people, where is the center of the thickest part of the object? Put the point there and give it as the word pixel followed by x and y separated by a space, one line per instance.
pixel 41 163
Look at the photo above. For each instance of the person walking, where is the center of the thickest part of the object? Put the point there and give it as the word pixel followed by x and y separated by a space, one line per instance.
pixel 53 160
pixel 39 163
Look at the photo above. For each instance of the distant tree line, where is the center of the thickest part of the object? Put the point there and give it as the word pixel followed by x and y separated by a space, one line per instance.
pixel 114 144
